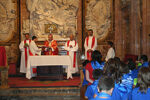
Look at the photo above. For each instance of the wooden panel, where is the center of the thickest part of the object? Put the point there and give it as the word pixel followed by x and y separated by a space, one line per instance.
pixel 118 30
pixel 146 28
pixel 135 38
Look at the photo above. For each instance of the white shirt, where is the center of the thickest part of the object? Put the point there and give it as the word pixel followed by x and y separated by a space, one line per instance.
pixel 110 54
pixel 34 49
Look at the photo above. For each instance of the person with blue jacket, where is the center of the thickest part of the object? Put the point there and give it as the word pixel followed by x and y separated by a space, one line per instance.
pixel 144 61
pixel 105 86
pixel 92 89
pixel 142 91
pixel 123 80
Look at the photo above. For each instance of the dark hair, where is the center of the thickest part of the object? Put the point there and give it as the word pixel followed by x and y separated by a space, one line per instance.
pixel 85 63
pixel 96 56
pixel 97 73
pixel 143 79
pixel 110 43
pixel 117 58
pixel 106 83
pixel 110 68
pixel 123 69
pixel 144 58
pixel 131 64
pixel 115 68
pixel 34 37
pixel 90 30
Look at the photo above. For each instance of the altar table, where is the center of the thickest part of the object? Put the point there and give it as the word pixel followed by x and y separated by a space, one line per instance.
pixel 45 60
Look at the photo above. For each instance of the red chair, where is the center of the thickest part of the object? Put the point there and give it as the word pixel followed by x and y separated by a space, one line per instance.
pixel 133 57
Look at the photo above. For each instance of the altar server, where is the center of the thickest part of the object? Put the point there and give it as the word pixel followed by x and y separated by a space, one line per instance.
pixel 111 51
pixel 90 44
pixel 50 46
pixel 24 48
pixel 72 46
pixel 34 50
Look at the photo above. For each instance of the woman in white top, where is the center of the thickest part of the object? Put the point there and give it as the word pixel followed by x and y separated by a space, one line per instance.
pixel 111 51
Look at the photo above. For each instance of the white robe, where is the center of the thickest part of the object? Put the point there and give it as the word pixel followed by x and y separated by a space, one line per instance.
pixel 22 49
pixel 110 54
pixel 34 49
pixel 71 54
pixel 89 45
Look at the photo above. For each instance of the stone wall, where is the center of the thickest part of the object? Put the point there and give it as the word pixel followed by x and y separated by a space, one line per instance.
pixel 61 13
pixel 7 20
pixel 9 30
pixel 98 17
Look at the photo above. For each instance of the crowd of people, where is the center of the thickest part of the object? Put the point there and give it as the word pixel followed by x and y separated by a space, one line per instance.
pixel 115 79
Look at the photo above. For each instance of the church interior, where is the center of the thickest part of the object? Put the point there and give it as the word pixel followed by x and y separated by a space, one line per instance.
pixel 124 22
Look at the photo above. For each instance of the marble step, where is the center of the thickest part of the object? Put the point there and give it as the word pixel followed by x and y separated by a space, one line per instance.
pixel 58 93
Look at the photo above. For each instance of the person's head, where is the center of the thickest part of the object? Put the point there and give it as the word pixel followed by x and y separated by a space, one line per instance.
pixel 111 68
pixel 131 64
pixel 71 37
pixel 144 58
pixel 34 38
pixel 85 63
pixel 97 73
pixel 50 37
pixel 106 84
pixel 27 36
pixel 117 59
pixel 90 32
pixel 96 56
pixel 123 69
pixel 144 79
pixel 110 43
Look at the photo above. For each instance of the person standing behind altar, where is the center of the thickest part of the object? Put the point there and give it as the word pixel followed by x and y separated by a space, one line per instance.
pixel 90 44
pixel 34 50
pixel 72 46
pixel 111 51
pixel 24 48
pixel 50 46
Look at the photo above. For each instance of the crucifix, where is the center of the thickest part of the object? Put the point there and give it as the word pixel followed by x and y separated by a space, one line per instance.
pixel 50 29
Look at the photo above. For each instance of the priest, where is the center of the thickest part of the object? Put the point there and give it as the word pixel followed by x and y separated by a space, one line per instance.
pixel 72 46
pixel 50 46
pixel 90 44
pixel 24 48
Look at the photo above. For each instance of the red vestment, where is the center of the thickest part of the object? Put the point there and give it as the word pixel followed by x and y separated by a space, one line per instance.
pixel 53 46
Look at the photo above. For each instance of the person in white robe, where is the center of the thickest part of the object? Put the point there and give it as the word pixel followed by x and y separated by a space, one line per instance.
pixel 90 44
pixel 24 48
pixel 72 46
pixel 33 47
pixel 111 51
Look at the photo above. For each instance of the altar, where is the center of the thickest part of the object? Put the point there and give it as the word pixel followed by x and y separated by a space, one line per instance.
pixel 46 60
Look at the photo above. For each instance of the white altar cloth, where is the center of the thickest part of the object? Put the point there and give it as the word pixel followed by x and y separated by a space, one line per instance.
pixel 45 60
